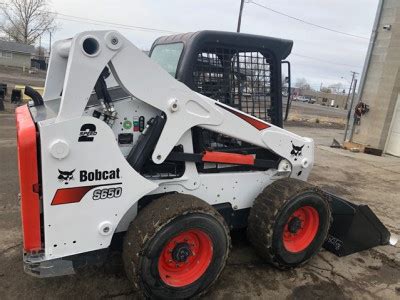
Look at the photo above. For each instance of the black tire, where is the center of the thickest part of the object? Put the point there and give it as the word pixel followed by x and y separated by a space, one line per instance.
pixel 156 226
pixel 269 222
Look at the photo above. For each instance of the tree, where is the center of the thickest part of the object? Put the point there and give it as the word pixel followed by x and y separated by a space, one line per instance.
pixel 24 21
pixel 326 90
pixel 302 84
pixel 336 88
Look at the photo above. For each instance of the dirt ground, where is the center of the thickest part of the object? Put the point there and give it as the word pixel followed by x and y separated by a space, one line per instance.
pixel 371 274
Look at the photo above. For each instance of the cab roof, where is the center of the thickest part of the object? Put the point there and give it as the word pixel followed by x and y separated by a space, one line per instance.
pixel 281 48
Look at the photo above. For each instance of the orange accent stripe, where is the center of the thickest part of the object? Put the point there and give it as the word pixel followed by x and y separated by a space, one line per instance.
pixel 260 125
pixel 228 158
pixel 71 195
pixel 28 179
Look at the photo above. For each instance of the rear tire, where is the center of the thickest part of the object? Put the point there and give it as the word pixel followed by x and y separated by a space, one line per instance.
pixel 289 222
pixel 176 247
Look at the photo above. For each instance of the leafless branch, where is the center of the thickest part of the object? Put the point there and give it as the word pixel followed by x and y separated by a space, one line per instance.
pixel 24 21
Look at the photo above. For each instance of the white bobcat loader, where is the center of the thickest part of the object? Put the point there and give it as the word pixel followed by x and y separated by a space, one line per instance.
pixel 171 153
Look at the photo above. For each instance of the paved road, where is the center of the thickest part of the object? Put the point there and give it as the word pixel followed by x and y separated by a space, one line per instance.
pixel 372 274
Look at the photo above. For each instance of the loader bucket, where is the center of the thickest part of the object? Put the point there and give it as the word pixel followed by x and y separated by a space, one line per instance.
pixel 354 228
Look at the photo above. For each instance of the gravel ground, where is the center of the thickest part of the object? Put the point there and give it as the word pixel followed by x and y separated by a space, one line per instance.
pixel 371 274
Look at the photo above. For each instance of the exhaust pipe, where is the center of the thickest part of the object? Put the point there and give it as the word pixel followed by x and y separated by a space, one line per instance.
pixel 34 95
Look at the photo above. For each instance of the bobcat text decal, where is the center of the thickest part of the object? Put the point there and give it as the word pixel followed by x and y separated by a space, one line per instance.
pixel 97 175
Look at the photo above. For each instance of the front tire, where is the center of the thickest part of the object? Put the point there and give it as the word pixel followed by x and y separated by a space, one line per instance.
pixel 289 222
pixel 176 247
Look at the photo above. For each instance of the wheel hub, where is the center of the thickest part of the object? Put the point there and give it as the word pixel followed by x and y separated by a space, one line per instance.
pixel 181 252
pixel 294 225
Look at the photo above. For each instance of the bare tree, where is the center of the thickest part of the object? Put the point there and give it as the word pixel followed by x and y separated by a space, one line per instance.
pixel 303 84
pixel 336 88
pixel 326 90
pixel 24 21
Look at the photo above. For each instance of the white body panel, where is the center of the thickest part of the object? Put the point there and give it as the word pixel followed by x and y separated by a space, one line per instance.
pixel 78 227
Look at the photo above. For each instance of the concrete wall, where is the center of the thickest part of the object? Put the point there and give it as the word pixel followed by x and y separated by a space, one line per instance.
pixel 17 60
pixel 382 83
pixel 339 100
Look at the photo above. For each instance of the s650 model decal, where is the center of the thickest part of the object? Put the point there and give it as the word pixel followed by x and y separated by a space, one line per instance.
pixel 76 194
pixel 88 131
pixel 100 194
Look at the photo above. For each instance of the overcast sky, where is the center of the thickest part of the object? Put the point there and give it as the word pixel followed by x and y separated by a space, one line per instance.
pixel 347 53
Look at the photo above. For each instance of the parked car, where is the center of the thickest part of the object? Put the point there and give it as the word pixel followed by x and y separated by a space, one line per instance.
pixel 301 99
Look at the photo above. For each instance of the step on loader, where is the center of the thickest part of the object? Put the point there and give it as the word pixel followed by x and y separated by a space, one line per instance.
pixel 171 152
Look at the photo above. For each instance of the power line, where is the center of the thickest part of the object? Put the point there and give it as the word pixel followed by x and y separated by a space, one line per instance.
pixel 122 26
pixel 324 61
pixel 72 18
pixel 306 22
pixel 99 22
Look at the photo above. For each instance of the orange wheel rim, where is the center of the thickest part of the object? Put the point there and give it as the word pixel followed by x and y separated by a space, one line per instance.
pixel 300 229
pixel 185 258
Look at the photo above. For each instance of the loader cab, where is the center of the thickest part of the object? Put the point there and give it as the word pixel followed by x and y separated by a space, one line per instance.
pixel 241 70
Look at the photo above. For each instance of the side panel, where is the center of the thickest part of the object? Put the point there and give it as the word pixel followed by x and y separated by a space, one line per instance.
pixel 28 179
pixel 88 189
pixel 237 188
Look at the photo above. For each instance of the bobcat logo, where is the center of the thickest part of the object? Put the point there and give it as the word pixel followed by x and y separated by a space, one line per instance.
pixel 66 176
pixel 296 151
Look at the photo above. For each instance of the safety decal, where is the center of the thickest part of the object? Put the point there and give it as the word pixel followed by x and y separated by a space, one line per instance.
pixel 141 123
pixel 127 124
pixel 136 127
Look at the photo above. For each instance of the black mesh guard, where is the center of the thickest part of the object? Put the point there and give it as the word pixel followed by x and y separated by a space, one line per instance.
pixel 239 79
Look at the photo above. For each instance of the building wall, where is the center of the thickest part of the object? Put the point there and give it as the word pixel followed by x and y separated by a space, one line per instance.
pixel 15 59
pixel 339 99
pixel 382 82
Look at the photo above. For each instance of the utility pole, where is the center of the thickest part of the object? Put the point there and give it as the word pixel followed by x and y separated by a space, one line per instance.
pixel 351 84
pixel 240 15
pixel 350 111
pixel 40 45
pixel 50 43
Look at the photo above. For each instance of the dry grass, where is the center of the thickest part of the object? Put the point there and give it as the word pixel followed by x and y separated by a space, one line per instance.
pixel 296 117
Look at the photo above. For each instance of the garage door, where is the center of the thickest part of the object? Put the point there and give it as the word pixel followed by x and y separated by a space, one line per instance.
pixel 393 144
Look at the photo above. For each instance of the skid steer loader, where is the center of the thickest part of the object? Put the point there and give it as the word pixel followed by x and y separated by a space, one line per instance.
pixel 171 152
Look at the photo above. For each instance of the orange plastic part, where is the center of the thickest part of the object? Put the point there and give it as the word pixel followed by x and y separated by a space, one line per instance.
pixel 28 179
pixel 71 195
pixel 228 158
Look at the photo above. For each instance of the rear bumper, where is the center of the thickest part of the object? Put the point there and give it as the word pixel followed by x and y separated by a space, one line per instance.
pixel 35 264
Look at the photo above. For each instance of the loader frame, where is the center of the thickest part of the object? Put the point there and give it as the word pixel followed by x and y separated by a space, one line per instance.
pixel 80 155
